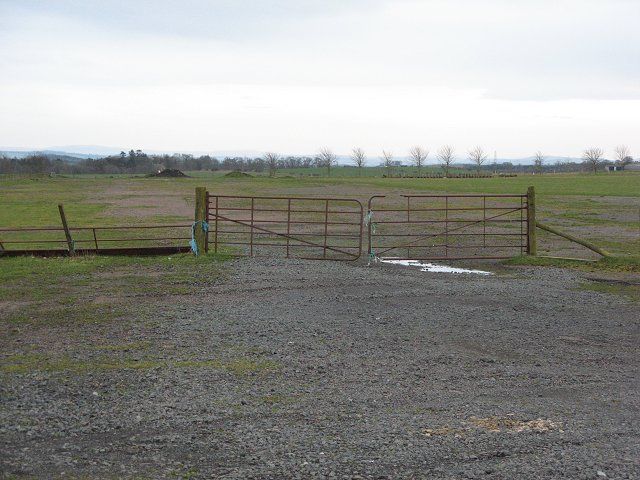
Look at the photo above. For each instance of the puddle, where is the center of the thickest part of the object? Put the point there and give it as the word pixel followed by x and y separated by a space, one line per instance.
pixel 432 267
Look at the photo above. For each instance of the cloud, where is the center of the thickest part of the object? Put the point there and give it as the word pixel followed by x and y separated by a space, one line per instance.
pixel 515 50
pixel 432 69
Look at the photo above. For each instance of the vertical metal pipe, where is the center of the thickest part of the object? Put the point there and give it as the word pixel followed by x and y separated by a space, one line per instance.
pixel 484 221
pixel 95 239
pixel 369 228
pixel 326 227
pixel 288 224
pixel 522 226
pixel 408 225
pixel 215 235
pixel 251 234
pixel 446 226
pixel 206 234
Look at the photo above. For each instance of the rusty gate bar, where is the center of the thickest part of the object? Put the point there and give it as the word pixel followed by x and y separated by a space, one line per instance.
pixel 288 225
pixel 521 223
pixel 419 232
pixel 215 244
pixel 304 227
pixel 252 227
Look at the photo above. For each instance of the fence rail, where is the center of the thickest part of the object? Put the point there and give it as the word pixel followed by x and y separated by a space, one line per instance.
pixel 107 240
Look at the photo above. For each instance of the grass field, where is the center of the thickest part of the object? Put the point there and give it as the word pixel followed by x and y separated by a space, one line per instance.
pixel 603 208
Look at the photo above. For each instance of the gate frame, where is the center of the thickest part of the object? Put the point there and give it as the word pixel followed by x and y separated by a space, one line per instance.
pixel 528 233
pixel 203 217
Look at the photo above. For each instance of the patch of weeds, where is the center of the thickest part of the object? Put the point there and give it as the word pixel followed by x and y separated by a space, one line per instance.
pixel 613 287
pixel 89 289
pixel 22 363
pixel 196 364
pixel 66 315
pixel 123 365
pixel 188 474
pixel 39 362
pixel 124 347
pixel 585 218
pixel 612 264
pixel 177 290
pixel 246 366
pixel 498 424
pixel 621 245
pixel 26 363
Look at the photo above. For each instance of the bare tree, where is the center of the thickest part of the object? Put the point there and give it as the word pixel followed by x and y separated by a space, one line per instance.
pixel 478 157
pixel 538 160
pixel 387 159
pixel 592 157
pixel 359 159
pixel 445 156
pixel 327 159
pixel 622 155
pixel 272 159
pixel 418 156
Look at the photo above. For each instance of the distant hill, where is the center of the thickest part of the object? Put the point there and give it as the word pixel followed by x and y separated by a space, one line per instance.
pixel 52 154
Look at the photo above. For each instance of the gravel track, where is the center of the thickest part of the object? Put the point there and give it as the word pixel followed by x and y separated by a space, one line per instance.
pixel 335 370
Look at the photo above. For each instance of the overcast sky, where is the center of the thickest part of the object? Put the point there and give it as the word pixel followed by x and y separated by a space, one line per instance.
pixel 293 75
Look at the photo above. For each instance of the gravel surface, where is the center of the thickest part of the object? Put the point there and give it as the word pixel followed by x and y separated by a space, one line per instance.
pixel 294 369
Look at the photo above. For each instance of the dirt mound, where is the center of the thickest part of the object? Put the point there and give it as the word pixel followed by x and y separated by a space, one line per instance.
pixel 237 174
pixel 169 172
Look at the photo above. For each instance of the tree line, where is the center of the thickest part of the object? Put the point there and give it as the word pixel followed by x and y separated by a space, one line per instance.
pixel 138 162
pixel 592 159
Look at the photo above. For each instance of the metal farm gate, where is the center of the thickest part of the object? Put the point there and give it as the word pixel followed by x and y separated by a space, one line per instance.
pixel 414 227
pixel 448 227
pixel 296 227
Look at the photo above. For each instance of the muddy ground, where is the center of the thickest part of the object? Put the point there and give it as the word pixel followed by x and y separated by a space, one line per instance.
pixel 294 369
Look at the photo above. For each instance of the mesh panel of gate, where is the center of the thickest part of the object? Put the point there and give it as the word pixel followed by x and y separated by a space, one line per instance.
pixel 432 227
pixel 296 227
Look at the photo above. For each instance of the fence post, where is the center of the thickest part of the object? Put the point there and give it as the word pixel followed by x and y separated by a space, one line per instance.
pixel 532 245
pixel 67 233
pixel 200 218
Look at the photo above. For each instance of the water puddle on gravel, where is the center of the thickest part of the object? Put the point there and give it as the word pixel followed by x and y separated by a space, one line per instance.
pixel 432 267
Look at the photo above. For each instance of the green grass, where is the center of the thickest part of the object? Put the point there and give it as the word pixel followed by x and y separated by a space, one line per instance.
pixel 34 278
pixel 630 291
pixel 630 264
pixel 37 362
pixel 46 292
pixel 552 184
pixel 604 207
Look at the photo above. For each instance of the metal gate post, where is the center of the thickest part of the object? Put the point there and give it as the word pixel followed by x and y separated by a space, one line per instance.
pixel 206 233
pixel 532 246
pixel 200 234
